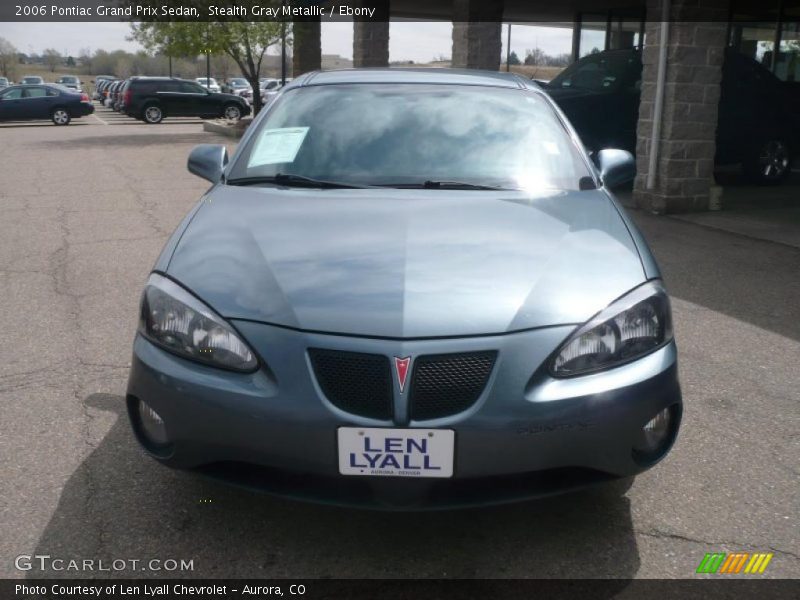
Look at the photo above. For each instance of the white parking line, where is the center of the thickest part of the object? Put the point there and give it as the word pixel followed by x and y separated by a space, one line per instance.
pixel 99 119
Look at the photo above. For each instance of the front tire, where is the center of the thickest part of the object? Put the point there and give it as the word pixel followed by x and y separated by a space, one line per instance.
pixel 232 112
pixel 60 116
pixel 152 114
pixel 768 163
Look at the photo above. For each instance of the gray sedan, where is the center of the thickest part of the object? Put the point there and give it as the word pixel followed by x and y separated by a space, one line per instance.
pixel 407 289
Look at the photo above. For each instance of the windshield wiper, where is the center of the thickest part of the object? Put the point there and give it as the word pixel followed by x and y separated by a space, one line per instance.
pixel 444 185
pixel 291 180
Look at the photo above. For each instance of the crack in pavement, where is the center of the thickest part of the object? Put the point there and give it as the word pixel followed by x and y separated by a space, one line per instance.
pixel 658 534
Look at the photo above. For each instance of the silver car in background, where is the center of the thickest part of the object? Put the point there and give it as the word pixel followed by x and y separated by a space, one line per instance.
pixel 209 83
pixel 408 289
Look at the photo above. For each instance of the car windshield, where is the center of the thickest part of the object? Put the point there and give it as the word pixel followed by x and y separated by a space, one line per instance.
pixel 68 80
pixel 414 135
pixel 600 72
pixel 32 80
pixel 239 82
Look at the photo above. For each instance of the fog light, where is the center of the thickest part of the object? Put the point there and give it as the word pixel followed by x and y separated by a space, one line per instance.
pixel 152 425
pixel 657 435
pixel 656 430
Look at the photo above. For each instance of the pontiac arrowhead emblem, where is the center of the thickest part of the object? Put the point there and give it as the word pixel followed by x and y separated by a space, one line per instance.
pixel 401 366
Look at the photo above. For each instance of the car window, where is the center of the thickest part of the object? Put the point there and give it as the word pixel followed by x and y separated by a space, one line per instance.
pixel 145 87
pixel 601 72
pixel 13 94
pixel 52 92
pixel 34 92
pixel 188 87
pixel 378 134
pixel 167 86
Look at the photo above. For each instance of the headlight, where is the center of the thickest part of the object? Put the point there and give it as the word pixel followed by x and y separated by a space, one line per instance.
pixel 177 321
pixel 636 324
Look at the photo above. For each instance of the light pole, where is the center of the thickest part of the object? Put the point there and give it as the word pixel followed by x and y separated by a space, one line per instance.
pixel 283 48
pixel 208 58
pixel 508 49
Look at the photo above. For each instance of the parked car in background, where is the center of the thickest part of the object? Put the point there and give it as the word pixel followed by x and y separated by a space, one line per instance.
pixel 98 81
pixel 4 82
pixel 270 89
pixel 758 124
pixel 105 88
pixel 151 99
pixel 47 101
pixel 31 80
pixel 99 86
pixel 236 85
pixel 247 95
pixel 268 85
pixel 71 82
pixel 119 96
pixel 210 84
pixel 113 92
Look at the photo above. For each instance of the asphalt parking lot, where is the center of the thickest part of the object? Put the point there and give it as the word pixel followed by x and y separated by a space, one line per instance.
pixel 86 209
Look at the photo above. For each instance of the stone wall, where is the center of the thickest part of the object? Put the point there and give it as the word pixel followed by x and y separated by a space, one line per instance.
pixel 684 173
pixel 307 49
pixel 477 29
pixel 371 37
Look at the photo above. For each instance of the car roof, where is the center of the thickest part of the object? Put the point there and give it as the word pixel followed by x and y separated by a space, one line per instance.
pixel 30 85
pixel 415 75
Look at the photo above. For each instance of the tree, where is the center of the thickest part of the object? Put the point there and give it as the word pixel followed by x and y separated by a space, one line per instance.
pixel 8 59
pixel 513 59
pixel 245 42
pixel 124 67
pixel 535 56
pixel 70 61
pixel 52 58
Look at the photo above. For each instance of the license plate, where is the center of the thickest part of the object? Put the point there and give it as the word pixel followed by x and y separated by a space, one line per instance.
pixel 396 452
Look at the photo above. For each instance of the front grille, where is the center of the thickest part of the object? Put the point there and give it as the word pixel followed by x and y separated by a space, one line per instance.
pixel 446 384
pixel 357 383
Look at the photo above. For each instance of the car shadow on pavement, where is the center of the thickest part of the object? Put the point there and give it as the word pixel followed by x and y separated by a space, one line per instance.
pixel 121 505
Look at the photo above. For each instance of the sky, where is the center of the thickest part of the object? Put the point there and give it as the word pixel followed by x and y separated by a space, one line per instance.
pixel 417 41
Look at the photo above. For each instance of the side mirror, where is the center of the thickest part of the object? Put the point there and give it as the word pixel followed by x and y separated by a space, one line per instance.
pixel 616 166
pixel 208 161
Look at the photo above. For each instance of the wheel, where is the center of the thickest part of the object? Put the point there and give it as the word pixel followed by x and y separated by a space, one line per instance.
pixel 769 163
pixel 232 112
pixel 152 114
pixel 60 116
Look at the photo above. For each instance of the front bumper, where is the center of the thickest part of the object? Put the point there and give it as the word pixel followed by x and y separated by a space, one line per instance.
pixel 527 435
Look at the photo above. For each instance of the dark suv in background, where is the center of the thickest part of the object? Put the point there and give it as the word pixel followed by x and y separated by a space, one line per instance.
pixel 758 123
pixel 151 99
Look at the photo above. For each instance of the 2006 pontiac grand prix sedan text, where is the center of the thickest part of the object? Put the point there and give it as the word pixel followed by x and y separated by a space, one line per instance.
pixel 408 289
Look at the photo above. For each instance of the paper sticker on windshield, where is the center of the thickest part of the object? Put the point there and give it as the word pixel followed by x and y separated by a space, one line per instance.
pixel 277 146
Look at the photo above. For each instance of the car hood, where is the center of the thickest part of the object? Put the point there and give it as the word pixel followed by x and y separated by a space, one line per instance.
pixel 406 263
pixel 223 96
